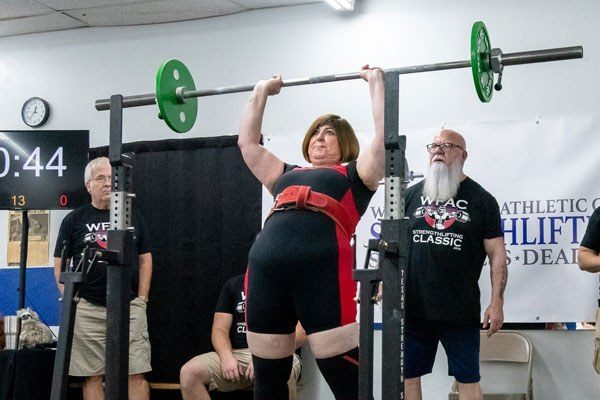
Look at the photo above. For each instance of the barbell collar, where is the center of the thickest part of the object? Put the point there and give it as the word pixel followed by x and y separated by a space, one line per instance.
pixel 180 94
pixel 526 57
pixel 496 61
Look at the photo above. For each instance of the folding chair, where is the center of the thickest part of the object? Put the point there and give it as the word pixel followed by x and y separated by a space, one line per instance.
pixel 504 348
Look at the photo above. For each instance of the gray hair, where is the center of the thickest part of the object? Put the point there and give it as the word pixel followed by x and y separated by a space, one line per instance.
pixel 96 162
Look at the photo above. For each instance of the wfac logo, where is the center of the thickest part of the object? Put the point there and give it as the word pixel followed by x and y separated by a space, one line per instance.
pixel 441 216
pixel 241 307
pixel 100 238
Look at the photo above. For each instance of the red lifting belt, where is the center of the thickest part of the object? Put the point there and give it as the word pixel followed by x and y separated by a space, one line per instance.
pixel 303 198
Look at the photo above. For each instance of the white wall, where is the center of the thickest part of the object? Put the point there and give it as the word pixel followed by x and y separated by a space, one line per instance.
pixel 73 68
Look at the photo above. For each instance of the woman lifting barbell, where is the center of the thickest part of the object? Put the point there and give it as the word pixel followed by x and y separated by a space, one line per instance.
pixel 300 266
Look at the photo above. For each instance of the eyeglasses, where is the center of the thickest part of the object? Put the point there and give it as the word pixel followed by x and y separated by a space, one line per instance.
pixel 102 178
pixel 446 147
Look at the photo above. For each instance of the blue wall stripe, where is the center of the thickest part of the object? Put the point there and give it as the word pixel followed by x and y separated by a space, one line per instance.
pixel 40 290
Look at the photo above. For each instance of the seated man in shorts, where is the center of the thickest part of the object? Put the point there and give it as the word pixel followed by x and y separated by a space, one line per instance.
pixel 229 367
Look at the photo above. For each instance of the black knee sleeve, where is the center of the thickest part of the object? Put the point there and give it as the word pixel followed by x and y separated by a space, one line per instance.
pixel 271 378
pixel 341 374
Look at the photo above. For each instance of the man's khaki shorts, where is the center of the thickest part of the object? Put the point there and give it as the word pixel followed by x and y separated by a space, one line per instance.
pixel 212 362
pixel 597 344
pixel 89 339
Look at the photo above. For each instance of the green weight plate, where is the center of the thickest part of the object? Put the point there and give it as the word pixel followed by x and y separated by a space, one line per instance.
pixel 483 76
pixel 180 116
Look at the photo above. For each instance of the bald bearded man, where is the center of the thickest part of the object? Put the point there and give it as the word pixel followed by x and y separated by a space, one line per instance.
pixel 454 226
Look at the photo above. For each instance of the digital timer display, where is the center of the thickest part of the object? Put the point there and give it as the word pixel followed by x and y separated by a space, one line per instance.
pixel 43 170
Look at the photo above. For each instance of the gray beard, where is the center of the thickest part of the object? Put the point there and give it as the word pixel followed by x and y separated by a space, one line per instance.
pixel 443 181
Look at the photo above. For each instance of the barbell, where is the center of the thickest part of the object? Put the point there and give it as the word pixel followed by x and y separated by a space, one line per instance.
pixel 176 93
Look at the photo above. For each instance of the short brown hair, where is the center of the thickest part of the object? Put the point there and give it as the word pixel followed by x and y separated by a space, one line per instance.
pixel 349 147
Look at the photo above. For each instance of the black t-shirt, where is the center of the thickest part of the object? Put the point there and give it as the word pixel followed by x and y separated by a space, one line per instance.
pixel 447 253
pixel 88 222
pixel 232 300
pixel 591 240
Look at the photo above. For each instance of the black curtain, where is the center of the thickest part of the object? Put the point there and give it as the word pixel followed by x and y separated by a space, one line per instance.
pixel 203 208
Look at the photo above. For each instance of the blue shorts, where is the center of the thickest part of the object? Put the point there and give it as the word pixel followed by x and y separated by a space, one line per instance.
pixel 461 344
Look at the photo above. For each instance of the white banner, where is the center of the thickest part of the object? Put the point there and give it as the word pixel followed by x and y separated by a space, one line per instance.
pixel 543 174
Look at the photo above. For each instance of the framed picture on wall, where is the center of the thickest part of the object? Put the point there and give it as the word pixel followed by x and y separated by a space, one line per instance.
pixel 39 246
